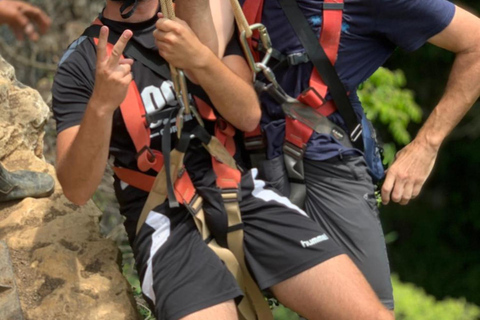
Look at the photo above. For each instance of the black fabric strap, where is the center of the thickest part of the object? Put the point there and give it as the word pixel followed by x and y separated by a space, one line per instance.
pixel 166 148
pixel 148 58
pixel 323 65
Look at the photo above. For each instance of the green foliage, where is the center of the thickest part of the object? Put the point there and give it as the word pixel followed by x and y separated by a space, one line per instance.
pixel 387 102
pixel 412 303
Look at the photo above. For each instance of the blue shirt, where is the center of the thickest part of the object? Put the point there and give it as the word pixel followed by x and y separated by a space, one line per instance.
pixel 371 31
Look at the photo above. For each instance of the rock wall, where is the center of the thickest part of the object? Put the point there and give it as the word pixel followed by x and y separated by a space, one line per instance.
pixel 63 268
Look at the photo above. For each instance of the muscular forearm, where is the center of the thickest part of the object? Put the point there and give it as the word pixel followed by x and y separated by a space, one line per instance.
pixel 198 15
pixel 463 89
pixel 414 163
pixel 232 96
pixel 81 167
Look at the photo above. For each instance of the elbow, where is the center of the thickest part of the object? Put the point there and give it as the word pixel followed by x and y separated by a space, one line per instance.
pixel 79 201
pixel 252 121
pixel 75 197
pixel 72 193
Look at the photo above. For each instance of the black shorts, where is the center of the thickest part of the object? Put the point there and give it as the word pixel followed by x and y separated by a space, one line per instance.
pixel 340 197
pixel 181 275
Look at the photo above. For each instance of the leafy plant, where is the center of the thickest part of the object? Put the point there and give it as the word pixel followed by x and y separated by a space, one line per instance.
pixel 387 102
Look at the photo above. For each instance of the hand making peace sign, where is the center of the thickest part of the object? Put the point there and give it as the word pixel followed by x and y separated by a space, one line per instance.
pixel 113 72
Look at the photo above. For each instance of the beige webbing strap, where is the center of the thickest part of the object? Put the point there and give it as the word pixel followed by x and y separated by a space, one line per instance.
pixel 159 192
pixel 246 310
pixel 235 244
pixel 220 153
pixel 240 18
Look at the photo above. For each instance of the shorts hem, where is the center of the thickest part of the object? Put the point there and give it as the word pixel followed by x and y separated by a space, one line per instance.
pixel 297 269
pixel 389 304
pixel 223 297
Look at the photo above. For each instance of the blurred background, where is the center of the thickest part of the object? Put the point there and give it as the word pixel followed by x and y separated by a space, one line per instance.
pixel 433 243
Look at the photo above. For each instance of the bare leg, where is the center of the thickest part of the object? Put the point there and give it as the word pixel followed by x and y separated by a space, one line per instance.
pixel 334 289
pixel 223 311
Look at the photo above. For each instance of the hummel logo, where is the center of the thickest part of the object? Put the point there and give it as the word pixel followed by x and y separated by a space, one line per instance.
pixel 314 241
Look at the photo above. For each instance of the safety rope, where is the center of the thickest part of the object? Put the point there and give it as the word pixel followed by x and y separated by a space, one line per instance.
pixel 240 18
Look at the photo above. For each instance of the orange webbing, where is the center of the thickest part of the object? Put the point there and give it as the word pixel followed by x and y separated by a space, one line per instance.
pixel 330 42
pixel 204 109
pixel 133 114
pixel 183 187
pixel 296 132
pixel 227 178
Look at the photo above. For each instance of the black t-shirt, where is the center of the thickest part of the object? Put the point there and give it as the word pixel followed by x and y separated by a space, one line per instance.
pixel 73 87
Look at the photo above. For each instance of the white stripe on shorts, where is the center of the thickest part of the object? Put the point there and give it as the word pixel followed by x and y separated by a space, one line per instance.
pixel 161 224
pixel 268 195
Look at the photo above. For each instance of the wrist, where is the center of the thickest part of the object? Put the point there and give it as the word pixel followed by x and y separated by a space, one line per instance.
pixel 430 141
pixel 204 59
pixel 101 108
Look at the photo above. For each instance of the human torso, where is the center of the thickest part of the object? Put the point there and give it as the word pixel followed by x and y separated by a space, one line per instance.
pixel 371 30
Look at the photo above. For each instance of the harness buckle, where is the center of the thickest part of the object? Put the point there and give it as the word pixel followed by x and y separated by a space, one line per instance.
pixel 254 143
pixel 195 204
pixel 293 150
pixel 356 133
pixel 231 195
pixel 150 152
pixel 333 6
pixel 297 58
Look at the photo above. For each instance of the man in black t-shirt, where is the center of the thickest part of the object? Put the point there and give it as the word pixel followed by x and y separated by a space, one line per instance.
pixel 181 277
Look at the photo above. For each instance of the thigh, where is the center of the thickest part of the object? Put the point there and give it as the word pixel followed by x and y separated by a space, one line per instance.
pixel 281 241
pixel 335 289
pixel 340 197
pixel 180 275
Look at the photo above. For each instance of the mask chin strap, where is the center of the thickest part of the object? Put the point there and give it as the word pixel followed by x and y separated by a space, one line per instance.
pixel 124 7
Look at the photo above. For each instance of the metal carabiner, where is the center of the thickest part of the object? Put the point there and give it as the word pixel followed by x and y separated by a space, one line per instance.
pixel 266 43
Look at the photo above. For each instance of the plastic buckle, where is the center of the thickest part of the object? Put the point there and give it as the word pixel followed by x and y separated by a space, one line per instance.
pixel 195 204
pixel 293 150
pixel 254 143
pixel 333 6
pixel 230 195
pixel 356 133
pixel 295 59
pixel 150 151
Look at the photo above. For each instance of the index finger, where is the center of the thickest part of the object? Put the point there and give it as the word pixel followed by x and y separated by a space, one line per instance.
pixel 102 44
pixel 387 188
pixel 119 47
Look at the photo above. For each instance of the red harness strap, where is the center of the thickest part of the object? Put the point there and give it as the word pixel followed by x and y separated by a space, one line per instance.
pixel 227 178
pixel 297 133
pixel 133 113
pixel 330 42
pixel 314 95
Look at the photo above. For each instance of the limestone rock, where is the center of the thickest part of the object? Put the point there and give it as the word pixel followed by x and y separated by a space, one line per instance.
pixel 63 268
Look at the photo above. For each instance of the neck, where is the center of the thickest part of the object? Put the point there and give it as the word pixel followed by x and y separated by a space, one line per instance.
pixel 146 9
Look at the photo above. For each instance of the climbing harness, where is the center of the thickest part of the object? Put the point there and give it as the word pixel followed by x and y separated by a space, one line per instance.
pixel 308 112
pixel 173 183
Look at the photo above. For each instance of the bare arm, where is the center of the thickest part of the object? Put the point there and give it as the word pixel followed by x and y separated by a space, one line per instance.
pixel 197 14
pixel 82 151
pixel 414 163
pixel 226 82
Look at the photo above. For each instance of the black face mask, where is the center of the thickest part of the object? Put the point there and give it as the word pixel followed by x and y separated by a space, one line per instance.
pixel 125 5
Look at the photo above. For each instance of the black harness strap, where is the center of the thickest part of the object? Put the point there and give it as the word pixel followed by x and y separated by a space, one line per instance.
pixel 324 67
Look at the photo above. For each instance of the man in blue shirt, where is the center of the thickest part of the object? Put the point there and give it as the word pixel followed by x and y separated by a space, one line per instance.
pixel 340 191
